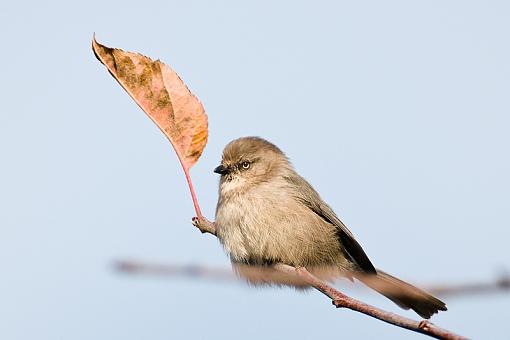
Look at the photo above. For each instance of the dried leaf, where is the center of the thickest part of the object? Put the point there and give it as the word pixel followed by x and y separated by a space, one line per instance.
pixel 164 97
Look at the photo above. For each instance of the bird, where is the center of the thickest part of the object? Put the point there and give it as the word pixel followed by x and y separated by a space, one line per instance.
pixel 267 213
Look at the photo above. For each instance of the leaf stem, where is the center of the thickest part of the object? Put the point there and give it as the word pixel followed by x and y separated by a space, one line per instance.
pixel 192 191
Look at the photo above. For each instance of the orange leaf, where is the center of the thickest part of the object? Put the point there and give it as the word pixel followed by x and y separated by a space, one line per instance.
pixel 164 97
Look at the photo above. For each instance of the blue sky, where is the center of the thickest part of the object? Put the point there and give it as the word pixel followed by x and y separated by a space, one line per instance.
pixel 397 113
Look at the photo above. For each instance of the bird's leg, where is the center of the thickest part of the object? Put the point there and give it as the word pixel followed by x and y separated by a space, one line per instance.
pixel 204 225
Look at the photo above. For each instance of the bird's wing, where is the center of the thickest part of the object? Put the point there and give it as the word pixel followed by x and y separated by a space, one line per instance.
pixel 307 195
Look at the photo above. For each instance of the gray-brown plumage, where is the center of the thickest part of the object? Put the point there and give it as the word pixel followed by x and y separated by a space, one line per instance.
pixel 268 213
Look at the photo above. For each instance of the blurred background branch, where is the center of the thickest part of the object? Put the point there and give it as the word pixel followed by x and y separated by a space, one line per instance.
pixel 499 284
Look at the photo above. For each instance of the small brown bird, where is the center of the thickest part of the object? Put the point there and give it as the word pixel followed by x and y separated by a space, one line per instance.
pixel 267 213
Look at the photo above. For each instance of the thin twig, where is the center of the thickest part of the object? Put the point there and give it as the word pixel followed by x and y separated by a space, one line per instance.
pixel 341 300
pixel 204 225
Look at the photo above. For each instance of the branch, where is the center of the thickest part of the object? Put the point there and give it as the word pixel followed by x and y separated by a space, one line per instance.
pixel 174 270
pixel 339 299
pixel 500 284
pixel 203 272
pixel 343 301
pixel 203 224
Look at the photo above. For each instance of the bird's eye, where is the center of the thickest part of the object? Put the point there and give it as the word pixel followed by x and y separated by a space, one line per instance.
pixel 245 164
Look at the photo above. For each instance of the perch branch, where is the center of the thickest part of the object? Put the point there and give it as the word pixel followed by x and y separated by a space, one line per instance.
pixel 341 300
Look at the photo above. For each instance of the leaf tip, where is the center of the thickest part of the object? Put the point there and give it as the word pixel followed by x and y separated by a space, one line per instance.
pixel 94 41
pixel 100 51
pixel 95 45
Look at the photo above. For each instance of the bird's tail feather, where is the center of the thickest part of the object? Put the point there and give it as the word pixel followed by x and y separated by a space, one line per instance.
pixel 403 294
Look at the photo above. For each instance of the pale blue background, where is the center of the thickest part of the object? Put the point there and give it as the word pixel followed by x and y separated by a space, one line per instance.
pixel 396 111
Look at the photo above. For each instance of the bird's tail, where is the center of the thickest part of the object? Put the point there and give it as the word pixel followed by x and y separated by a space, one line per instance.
pixel 403 294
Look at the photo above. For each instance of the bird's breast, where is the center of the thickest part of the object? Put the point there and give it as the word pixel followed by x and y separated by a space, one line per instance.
pixel 239 221
pixel 271 225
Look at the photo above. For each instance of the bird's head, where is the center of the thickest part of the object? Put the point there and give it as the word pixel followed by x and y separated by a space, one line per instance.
pixel 249 161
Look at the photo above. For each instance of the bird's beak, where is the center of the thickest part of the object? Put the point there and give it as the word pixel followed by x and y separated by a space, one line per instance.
pixel 221 170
